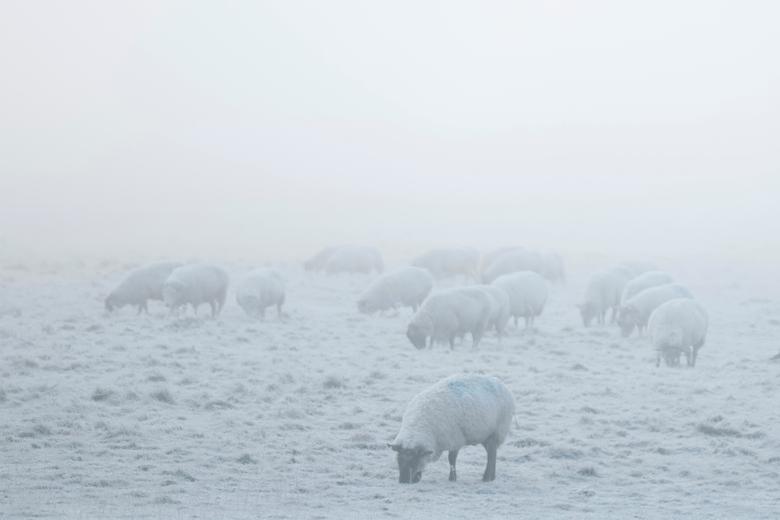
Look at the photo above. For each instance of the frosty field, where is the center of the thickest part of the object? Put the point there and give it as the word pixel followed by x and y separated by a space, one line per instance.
pixel 125 416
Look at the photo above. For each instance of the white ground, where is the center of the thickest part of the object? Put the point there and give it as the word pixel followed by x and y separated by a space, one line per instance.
pixel 155 417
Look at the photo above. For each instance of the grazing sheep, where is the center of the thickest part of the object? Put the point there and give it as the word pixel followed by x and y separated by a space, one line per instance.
pixel 603 293
pixel 449 314
pixel 500 308
pixel 637 267
pixel 491 256
pixel 635 312
pixel 644 281
pixel 443 263
pixel 407 286
pixel 260 289
pixel 196 284
pixel 320 260
pixel 140 285
pixel 678 327
pixel 527 293
pixel 512 262
pixel 461 410
pixel 354 259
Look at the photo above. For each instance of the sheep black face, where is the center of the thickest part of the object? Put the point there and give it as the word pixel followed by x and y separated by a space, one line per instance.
pixel 411 462
pixel 416 336
pixel 110 304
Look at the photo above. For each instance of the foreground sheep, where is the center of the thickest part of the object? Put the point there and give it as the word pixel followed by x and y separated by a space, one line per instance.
pixel 635 312
pixel 354 259
pixel 644 281
pixel 260 289
pixel 678 327
pixel 141 285
pixel 196 284
pixel 458 411
pixel 407 286
pixel 603 292
pixel 449 314
pixel 527 292
pixel 443 263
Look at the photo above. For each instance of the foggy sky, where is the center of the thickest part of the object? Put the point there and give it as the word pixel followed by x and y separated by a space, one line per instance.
pixel 272 128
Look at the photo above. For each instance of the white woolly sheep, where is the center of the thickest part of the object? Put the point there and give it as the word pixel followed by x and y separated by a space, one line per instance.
pixel 678 327
pixel 644 281
pixel 511 262
pixel 635 312
pixel 527 293
pixel 461 410
pixel 320 260
pixel 141 285
pixel 196 284
pixel 500 309
pixel 637 267
pixel 443 263
pixel 354 259
pixel 449 314
pixel 603 293
pixel 260 289
pixel 407 286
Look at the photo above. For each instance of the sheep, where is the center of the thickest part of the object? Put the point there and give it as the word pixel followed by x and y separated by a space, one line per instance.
pixel 603 293
pixel 458 411
pixel 443 263
pixel 500 308
pixel 644 281
pixel 449 314
pixel 637 267
pixel 196 284
pixel 513 261
pixel 318 261
pixel 407 286
pixel 354 259
pixel 635 312
pixel 678 327
pixel 140 285
pixel 527 293
pixel 260 289
pixel 491 256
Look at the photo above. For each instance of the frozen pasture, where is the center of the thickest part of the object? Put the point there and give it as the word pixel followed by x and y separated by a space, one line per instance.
pixel 125 416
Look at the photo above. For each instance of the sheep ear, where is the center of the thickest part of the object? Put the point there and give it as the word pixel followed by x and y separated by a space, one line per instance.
pixel 394 447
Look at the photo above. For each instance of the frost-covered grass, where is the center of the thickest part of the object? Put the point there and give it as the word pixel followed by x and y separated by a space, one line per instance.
pixel 127 416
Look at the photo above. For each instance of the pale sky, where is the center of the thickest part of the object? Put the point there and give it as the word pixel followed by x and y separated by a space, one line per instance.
pixel 154 128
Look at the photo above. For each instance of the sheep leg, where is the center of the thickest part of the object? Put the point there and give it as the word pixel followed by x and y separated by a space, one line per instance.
pixel 213 305
pixel 453 456
pixel 688 357
pixel 279 310
pixel 195 309
pixel 491 446
pixel 658 359
pixel 452 342
pixel 515 321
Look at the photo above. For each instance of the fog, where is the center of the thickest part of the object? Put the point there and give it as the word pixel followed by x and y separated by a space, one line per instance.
pixel 273 128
